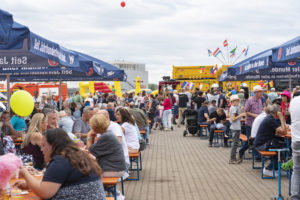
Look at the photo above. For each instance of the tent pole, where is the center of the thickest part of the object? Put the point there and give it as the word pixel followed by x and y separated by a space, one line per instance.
pixel 8 92
pixel 290 83
pixel 60 97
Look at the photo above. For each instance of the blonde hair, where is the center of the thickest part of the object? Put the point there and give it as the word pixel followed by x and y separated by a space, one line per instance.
pixel 35 126
pixel 99 123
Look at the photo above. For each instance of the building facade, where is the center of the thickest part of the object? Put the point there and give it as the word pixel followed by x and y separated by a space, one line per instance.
pixel 132 70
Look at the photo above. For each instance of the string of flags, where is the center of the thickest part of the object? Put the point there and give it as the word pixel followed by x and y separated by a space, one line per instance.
pixel 230 57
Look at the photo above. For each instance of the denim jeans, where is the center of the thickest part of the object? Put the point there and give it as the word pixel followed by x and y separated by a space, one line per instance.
pixel 296 173
pixel 146 136
pixel 167 115
pixel 175 112
pixel 245 145
pixel 180 116
pixel 235 143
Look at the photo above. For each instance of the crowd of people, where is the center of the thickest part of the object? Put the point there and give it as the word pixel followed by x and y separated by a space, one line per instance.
pixel 83 140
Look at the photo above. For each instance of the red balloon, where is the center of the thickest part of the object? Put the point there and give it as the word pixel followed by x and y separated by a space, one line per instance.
pixel 123 4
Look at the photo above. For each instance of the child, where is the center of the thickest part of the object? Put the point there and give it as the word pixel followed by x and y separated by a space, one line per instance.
pixel 235 120
pixel 158 116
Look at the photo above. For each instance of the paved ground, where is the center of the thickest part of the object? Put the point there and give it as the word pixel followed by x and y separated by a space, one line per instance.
pixel 177 167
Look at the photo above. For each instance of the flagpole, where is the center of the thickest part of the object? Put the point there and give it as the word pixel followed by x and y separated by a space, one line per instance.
pixel 227 54
pixel 223 56
pixel 220 60
pixel 238 57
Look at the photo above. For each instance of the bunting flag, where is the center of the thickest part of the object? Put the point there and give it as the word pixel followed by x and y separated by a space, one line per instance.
pixel 209 52
pixel 261 83
pixel 213 70
pixel 200 86
pixel 225 43
pixel 183 84
pixel 265 85
pixel 271 83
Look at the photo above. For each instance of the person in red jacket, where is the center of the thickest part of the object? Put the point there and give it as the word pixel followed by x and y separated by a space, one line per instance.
pixel 167 115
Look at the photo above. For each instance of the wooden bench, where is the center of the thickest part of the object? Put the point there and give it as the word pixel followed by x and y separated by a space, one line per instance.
pixel 110 185
pixel 218 134
pixel 142 132
pixel 265 155
pixel 205 126
pixel 135 158
pixel 243 137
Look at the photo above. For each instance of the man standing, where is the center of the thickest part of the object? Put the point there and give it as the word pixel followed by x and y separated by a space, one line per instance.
pixel 78 99
pixel 175 105
pixel 272 95
pixel 212 107
pixel 36 98
pixel 183 100
pixel 253 108
pixel 295 128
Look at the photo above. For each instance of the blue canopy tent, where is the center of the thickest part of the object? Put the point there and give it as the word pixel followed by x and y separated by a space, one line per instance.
pixel 261 67
pixel 25 56
pixel 289 51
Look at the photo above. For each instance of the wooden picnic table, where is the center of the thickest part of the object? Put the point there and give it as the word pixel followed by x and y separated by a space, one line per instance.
pixel 28 196
pixel 105 180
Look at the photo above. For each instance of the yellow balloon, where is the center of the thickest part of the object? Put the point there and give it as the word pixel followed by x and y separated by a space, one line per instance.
pixel 21 103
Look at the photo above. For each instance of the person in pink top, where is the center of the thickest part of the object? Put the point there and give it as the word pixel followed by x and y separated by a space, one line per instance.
pixel 167 115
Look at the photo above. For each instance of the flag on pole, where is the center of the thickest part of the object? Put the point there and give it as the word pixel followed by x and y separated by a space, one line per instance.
pixel 216 52
pixel 183 84
pixel 246 51
pixel 213 70
pixel 232 55
pixel 233 50
pixel 271 84
pixel 209 52
pixel 265 84
pixel 225 43
pixel 191 86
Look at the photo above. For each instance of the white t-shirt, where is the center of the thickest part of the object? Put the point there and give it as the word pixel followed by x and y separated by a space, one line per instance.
pixel 36 100
pixel 295 117
pixel 176 98
pixel 115 128
pixel 256 123
pixel 131 136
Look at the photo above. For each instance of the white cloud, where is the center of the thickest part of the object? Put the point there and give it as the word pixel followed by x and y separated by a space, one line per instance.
pixel 159 33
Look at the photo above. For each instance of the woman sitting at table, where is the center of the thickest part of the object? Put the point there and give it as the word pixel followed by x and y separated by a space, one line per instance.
pixel 70 174
pixel 128 126
pixel 108 149
pixel 33 141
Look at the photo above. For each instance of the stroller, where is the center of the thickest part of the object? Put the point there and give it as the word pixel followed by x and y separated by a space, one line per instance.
pixel 191 125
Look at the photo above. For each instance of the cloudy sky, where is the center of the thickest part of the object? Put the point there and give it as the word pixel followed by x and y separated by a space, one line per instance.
pixel 159 33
